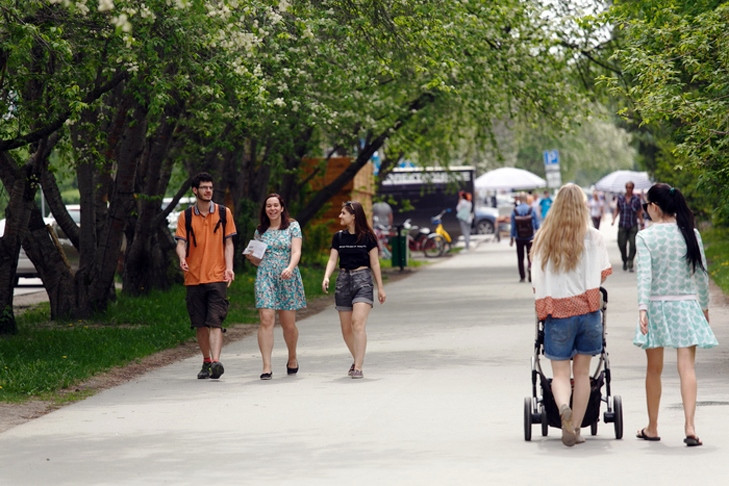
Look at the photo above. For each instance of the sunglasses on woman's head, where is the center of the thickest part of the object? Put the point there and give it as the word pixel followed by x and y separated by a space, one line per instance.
pixel 645 205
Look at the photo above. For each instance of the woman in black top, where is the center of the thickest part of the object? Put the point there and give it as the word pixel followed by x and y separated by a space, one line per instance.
pixel 356 249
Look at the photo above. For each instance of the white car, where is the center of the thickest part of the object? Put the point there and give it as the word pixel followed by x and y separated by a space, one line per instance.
pixel 26 269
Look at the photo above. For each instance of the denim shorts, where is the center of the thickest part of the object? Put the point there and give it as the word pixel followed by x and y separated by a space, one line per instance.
pixel 207 304
pixel 564 338
pixel 353 286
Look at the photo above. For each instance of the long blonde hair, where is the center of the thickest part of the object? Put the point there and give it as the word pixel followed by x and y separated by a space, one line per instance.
pixel 560 239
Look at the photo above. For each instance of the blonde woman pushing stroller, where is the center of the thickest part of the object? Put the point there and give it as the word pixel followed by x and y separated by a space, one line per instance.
pixel 569 263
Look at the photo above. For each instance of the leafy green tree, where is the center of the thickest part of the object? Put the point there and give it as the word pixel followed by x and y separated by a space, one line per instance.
pixel 674 75
pixel 130 93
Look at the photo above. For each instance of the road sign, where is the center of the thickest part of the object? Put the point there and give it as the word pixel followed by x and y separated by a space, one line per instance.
pixel 551 157
pixel 551 169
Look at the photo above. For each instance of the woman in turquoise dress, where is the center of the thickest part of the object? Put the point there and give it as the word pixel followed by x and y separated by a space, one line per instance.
pixel 278 286
pixel 673 302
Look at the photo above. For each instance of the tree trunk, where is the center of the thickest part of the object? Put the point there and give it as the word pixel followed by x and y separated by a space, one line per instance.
pixel 147 258
pixel 121 205
pixel 15 230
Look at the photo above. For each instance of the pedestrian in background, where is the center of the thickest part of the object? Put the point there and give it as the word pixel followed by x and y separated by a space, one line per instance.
pixel 382 215
pixel 673 302
pixel 570 263
pixel 205 251
pixel 464 214
pixel 355 250
pixel 279 288
pixel 628 206
pixel 544 204
pixel 524 223
pixel 597 209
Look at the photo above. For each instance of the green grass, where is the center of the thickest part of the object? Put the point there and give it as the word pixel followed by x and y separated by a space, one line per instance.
pixel 716 245
pixel 46 356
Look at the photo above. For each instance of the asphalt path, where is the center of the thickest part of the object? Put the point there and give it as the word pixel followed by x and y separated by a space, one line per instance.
pixel 446 374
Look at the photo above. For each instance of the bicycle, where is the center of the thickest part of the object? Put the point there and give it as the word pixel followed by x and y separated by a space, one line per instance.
pixel 439 240
pixel 415 235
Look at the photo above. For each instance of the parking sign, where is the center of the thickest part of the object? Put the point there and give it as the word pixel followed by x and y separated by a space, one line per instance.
pixel 551 157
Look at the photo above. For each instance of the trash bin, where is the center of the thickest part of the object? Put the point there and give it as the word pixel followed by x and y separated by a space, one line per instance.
pixel 399 247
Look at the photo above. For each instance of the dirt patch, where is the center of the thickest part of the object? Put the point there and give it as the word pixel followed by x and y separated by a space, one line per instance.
pixel 12 414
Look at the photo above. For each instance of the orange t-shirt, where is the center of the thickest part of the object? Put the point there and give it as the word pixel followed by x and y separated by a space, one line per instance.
pixel 206 261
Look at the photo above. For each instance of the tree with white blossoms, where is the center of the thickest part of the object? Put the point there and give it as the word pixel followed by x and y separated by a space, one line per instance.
pixel 129 91
pixel 111 100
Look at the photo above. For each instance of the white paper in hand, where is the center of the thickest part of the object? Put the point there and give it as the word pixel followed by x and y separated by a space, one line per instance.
pixel 256 249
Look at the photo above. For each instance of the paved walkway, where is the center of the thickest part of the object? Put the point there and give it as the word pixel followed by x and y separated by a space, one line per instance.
pixel 447 369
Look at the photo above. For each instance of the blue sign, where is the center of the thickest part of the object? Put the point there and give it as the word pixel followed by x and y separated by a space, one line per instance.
pixel 551 157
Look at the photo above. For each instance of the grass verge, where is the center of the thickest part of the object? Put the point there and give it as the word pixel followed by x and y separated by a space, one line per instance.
pixel 47 356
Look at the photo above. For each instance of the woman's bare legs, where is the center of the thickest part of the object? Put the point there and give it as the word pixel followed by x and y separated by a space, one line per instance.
pixel 686 358
pixel 581 393
pixel 354 332
pixel 359 334
pixel 345 319
pixel 290 335
pixel 654 368
pixel 561 387
pixel 265 336
pixel 562 390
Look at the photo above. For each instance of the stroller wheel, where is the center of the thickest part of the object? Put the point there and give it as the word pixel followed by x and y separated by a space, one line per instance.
pixel 545 422
pixel 527 419
pixel 618 411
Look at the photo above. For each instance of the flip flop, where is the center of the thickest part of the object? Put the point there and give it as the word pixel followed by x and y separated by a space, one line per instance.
pixel 692 441
pixel 642 435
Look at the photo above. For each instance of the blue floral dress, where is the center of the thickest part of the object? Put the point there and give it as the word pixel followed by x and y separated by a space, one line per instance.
pixel 673 296
pixel 272 291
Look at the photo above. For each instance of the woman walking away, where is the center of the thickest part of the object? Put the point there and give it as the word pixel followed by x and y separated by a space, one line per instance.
pixel 278 286
pixel 356 249
pixel 673 302
pixel 464 213
pixel 570 263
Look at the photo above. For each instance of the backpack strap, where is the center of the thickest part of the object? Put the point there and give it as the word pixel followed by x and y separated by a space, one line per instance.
pixel 188 230
pixel 223 219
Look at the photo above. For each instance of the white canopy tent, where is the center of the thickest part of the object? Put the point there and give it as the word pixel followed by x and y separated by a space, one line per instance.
pixel 615 181
pixel 508 178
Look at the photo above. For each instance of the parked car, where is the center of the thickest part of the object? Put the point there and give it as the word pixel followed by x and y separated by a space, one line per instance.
pixel 484 220
pixel 74 210
pixel 25 269
pixel 183 204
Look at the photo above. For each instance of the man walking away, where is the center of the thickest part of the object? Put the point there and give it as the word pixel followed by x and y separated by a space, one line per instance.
pixel 205 248
pixel 631 214
pixel 524 223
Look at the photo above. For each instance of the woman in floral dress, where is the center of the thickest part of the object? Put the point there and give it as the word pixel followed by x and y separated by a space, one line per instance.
pixel 673 302
pixel 278 286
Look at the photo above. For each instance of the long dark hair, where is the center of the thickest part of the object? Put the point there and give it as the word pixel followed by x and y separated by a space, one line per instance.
pixel 362 227
pixel 265 222
pixel 671 201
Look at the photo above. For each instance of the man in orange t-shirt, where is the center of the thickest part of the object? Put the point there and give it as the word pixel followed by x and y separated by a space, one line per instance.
pixel 206 258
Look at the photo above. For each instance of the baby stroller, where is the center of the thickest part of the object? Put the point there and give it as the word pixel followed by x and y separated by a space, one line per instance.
pixel 543 409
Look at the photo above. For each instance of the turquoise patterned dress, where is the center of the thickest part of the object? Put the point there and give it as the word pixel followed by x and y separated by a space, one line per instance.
pixel 673 296
pixel 272 291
